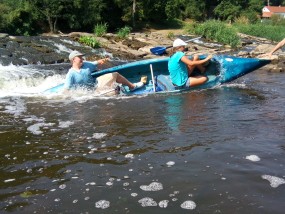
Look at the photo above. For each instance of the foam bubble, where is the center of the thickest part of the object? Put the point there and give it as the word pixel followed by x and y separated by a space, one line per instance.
pixel 65 124
pixel 147 202
pixel 9 180
pixel 170 163
pixel 274 181
pixel 35 129
pixel 189 205
pixel 99 135
pixel 102 204
pixel 254 158
pixel 154 186
pixel 130 156
pixel 163 204
pixel 109 183
pixel 62 186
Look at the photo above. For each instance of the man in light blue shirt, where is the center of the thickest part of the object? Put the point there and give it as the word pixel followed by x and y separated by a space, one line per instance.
pixel 79 75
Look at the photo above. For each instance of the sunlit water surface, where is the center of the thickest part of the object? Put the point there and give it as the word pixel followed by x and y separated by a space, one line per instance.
pixel 211 151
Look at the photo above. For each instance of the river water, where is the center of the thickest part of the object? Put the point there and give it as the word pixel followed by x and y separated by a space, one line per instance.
pixel 211 151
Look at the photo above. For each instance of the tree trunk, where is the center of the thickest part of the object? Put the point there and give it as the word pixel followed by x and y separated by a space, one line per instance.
pixel 54 25
pixel 50 24
pixel 134 12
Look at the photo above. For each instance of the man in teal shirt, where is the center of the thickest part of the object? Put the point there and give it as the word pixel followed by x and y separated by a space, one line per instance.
pixel 180 67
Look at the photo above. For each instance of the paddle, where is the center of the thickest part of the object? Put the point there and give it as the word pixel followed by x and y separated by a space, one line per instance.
pixel 160 50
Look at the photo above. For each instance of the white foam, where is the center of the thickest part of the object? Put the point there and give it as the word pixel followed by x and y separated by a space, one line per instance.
pixel 170 163
pixel 102 204
pixel 16 107
pixel 62 186
pixel 189 205
pixel 25 80
pixel 274 181
pixel 65 124
pixel 147 202
pixel 109 183
pixel 163 204
pixel 253 158
pixel 9 180
pixel 130 156
pixel 99 135
pixel 154 186
pixel 35 129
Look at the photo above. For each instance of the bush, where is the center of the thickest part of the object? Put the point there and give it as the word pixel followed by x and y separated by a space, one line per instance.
pixel 90 41
pixel 217 31
pixel 277 20
pixel 100 29
pixel 242 20
pixel 124 32
pixel 170 35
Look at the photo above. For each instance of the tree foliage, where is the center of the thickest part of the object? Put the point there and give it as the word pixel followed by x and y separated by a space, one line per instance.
pixel 35 16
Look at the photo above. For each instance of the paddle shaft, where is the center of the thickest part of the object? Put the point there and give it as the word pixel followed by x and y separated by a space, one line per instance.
pixel 160 50
pixel 152 77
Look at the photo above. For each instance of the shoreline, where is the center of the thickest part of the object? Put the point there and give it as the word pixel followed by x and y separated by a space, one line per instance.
pixel 21 50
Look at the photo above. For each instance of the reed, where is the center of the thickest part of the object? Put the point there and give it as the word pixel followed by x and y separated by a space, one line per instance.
pixel 216 31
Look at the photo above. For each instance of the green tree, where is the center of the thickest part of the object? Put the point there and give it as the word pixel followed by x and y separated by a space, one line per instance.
pixel 228 10
pixel 4 10
pixel 172 9
pixel 195 9
pixel 253 10
pixel 50 9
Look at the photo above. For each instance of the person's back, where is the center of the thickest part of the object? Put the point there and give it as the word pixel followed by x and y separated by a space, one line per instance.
pixel 177 69
pixel 180 67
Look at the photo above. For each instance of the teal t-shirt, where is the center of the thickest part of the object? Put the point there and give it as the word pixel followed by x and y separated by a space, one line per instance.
pixel 82 78
pixel 177 69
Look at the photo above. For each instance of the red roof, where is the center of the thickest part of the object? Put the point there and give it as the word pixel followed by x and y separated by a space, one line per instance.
pixel 273 10
pixel 276 9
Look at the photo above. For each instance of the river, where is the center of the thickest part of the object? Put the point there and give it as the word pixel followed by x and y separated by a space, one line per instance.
pixel 210 151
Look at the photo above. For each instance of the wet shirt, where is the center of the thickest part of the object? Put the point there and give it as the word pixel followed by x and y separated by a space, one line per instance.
pixel 177 69
pixel 82 78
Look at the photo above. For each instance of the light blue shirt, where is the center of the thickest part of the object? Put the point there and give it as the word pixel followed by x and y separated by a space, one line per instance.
pixel 81 78
pixel 178 69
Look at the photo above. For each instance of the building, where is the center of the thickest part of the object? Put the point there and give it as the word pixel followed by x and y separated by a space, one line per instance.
pixel 268 11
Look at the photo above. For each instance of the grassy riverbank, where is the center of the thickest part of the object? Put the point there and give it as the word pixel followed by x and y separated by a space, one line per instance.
pixel 228 33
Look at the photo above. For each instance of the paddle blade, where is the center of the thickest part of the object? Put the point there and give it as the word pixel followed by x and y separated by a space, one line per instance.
pixel 158 50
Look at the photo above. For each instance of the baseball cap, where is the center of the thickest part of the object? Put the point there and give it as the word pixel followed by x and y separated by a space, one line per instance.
pixel 74 54
pixel 178 43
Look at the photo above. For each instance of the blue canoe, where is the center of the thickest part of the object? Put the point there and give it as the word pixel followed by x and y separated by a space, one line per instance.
pixel 221 69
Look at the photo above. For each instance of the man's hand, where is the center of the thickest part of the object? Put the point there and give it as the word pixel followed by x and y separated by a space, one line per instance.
pixel 102 61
